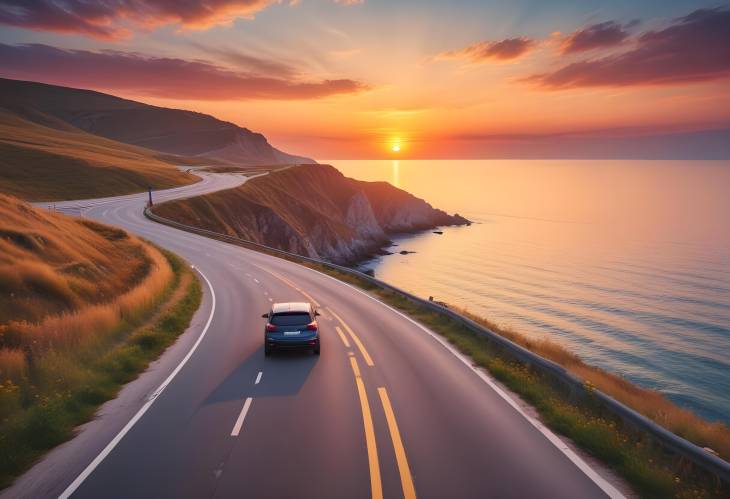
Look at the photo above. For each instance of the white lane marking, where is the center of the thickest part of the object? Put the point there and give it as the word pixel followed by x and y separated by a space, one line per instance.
pixel 272 301
pixel 111 445
pixel 596 478
pixel 266 293
pixel 241 417
pixel 248 275
pixel 256 281
pixel 258 377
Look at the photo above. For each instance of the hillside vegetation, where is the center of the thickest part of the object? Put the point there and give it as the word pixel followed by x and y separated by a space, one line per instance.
pixel 41 163
pixel 312 210
pixel 73 295
pixel 171 131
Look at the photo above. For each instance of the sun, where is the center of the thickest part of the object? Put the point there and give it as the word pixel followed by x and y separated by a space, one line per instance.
pixel 395 147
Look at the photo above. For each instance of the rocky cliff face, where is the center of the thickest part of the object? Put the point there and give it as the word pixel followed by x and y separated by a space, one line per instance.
pixel 312 210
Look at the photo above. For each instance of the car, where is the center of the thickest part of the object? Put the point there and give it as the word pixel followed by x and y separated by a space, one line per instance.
pixel 291 325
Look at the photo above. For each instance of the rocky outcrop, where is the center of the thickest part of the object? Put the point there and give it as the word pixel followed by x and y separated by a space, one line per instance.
pixel 312 210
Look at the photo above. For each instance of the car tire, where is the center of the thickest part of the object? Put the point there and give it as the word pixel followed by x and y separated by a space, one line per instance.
pixel 267 351
pixel 315 350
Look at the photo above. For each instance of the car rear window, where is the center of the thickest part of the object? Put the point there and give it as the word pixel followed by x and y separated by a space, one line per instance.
pixel 291 319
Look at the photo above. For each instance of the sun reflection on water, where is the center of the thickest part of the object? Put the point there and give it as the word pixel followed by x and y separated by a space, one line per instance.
pixel 396 173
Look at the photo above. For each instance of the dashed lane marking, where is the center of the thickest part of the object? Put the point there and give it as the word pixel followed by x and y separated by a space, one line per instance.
pixel 239 422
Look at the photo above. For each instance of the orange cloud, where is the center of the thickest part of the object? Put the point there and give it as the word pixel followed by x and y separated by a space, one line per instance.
pixel 504 50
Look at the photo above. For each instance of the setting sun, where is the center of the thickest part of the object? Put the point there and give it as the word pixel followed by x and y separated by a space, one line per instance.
pixel 395 148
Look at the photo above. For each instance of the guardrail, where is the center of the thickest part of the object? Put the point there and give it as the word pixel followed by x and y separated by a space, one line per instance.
pixel 684 448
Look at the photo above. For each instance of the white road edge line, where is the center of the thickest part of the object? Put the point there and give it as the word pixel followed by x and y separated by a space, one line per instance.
pixel 111 445
pixel 239 422
pixel 594 476
pixel 258 378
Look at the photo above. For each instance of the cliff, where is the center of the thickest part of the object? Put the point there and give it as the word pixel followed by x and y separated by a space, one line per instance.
pixel 312 210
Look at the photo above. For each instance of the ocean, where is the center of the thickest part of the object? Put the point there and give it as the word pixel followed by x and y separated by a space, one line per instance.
pixel 626 263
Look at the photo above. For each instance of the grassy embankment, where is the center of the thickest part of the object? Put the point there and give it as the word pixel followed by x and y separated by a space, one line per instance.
pixel 85 307
pixel 40 163
pixel 652 470
pixel 645 465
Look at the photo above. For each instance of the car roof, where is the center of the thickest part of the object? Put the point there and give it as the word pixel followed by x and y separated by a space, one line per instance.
pixel 279 308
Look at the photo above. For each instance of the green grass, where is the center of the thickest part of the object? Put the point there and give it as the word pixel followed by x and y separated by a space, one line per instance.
pixel 34 421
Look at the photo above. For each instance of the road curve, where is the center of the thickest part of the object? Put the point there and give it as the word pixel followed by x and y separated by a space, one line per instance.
pixel 387 410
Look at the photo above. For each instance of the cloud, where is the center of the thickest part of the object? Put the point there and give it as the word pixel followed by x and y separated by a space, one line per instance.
pixel 503 50
pixel 607 34
pixel 250 63
pixel 113 19
pixel 695 48
pixel 170 78
pixel 107 19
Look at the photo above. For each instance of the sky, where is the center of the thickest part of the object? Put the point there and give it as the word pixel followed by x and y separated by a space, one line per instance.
pixel 409 79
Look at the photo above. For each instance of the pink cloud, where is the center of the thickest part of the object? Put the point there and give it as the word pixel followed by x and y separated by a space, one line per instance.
pixel 158 77
pixel 601 35
pixel 112 19
pixel 695 48
pixel 508 49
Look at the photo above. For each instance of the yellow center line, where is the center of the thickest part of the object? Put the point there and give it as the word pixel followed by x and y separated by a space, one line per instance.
pixel 406 480
pixel 355 367
pixel 355 338
pixel 376 486
pixel 342 336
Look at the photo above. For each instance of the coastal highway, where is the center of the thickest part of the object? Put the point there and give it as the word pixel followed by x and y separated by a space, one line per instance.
pixel 388 410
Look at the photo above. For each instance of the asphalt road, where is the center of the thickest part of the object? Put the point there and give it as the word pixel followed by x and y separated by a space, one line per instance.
pixel 387 410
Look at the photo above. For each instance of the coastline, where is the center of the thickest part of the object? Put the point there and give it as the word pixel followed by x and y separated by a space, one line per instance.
pixel 650 465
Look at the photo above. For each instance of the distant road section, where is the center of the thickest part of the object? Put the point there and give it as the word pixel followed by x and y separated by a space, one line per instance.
pixel 387 410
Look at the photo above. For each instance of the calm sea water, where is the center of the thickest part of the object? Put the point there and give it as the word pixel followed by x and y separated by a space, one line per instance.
pixel 627 263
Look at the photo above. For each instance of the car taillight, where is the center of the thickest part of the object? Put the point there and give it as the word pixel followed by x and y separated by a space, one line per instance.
pixel 270 328
pixel 312 326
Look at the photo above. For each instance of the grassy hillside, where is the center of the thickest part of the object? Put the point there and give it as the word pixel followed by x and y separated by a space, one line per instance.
pixel 63 278
pixel 80 313
pixel 171 131
pixel 41 164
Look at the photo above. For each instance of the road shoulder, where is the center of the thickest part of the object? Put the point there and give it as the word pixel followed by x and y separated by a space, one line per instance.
pixel 60 466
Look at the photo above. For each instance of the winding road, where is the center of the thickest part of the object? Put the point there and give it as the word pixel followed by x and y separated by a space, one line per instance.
pixel 388 410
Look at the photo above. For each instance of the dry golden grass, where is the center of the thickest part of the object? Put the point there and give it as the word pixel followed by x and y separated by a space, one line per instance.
pixel 87 325
pixel 41 163
pixel 68 284
pixel 44 399
pixel 12 364
pixel 648 402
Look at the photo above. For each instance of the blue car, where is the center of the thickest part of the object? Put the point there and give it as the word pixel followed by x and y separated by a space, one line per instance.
pixel 291 326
